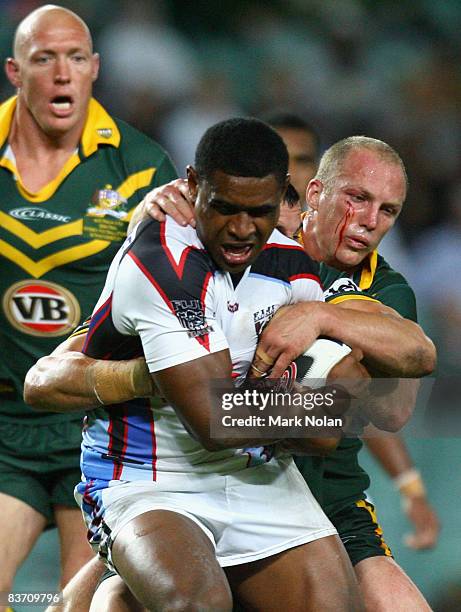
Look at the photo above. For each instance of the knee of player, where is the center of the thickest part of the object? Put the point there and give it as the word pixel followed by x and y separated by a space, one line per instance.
pixel 114 595
pixel 208 600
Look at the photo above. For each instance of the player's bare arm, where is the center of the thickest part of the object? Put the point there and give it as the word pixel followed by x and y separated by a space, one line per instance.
pixel 389 342
pixel 393 455
pixel 417 351
pixel 349 368
pixel 189 388
pixel 69 381
pixel 394 406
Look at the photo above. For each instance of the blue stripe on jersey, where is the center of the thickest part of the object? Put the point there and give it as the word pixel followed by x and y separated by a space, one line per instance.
pixel 94 466
pixel 137 449
pixel 269 278
pixel 139 432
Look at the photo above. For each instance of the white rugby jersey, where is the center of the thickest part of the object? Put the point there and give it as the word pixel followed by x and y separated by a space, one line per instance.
pixel 164 297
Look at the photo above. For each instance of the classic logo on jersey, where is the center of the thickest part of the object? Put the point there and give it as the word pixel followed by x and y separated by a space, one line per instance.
pixel 262 317
pixel 107 217
pixel 40 308
pixel 192 317
pixel 341 285
pixel 33 213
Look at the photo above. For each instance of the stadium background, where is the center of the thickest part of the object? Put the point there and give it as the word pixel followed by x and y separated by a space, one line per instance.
pixel 388 69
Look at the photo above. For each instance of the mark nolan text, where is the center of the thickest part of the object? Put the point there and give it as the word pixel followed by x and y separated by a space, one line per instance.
pixel 307 420
pixel 280 421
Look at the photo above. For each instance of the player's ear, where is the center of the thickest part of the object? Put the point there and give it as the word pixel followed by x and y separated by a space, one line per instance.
pixel 12 72
pixel 313 191
pixel 192 181
pixel 95 63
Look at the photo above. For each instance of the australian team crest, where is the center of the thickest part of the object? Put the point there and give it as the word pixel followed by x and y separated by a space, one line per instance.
pixel 107 216
pixel 108 202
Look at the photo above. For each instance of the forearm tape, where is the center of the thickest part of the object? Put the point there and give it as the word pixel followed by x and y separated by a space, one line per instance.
pixel 113 382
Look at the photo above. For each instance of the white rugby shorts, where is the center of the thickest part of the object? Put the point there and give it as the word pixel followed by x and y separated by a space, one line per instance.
pixel 248 515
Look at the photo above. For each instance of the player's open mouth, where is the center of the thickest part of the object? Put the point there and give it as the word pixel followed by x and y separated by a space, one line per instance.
pixel 237 254
pixel 62 105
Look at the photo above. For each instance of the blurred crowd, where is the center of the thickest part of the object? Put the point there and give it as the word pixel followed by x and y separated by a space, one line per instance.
pixel 385 69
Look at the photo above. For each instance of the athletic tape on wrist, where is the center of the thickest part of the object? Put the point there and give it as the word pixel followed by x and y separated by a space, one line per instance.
pixel 410 483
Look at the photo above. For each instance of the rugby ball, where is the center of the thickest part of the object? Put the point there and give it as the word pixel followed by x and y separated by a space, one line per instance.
pixel 312 368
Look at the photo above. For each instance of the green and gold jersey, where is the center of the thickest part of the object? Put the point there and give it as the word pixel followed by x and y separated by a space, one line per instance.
pixel 343 479
pixel 56 245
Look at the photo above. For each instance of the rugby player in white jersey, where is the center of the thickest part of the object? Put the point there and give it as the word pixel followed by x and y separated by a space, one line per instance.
pixel 183 517
pixel 381 324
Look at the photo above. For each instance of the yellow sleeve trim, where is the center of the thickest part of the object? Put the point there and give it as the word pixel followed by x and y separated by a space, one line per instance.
pixel 344 298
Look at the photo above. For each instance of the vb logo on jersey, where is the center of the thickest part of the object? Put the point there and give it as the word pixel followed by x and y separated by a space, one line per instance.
pixel 40 308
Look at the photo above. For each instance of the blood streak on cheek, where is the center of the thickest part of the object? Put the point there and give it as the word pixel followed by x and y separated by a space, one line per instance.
pixel 343 223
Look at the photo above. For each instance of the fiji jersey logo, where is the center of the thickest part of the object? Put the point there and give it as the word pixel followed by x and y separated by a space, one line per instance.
pixel 262 317
pixel 341 285
pixel 108 202
pixel 40 308
pixel 232 307
pixel 192 317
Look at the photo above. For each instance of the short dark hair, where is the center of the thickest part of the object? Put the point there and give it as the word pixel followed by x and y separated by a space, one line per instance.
pixel 290 121
pixel 242 146
pixel 291 196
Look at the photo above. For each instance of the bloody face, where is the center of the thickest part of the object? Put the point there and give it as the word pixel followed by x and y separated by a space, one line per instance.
pixel 354 211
